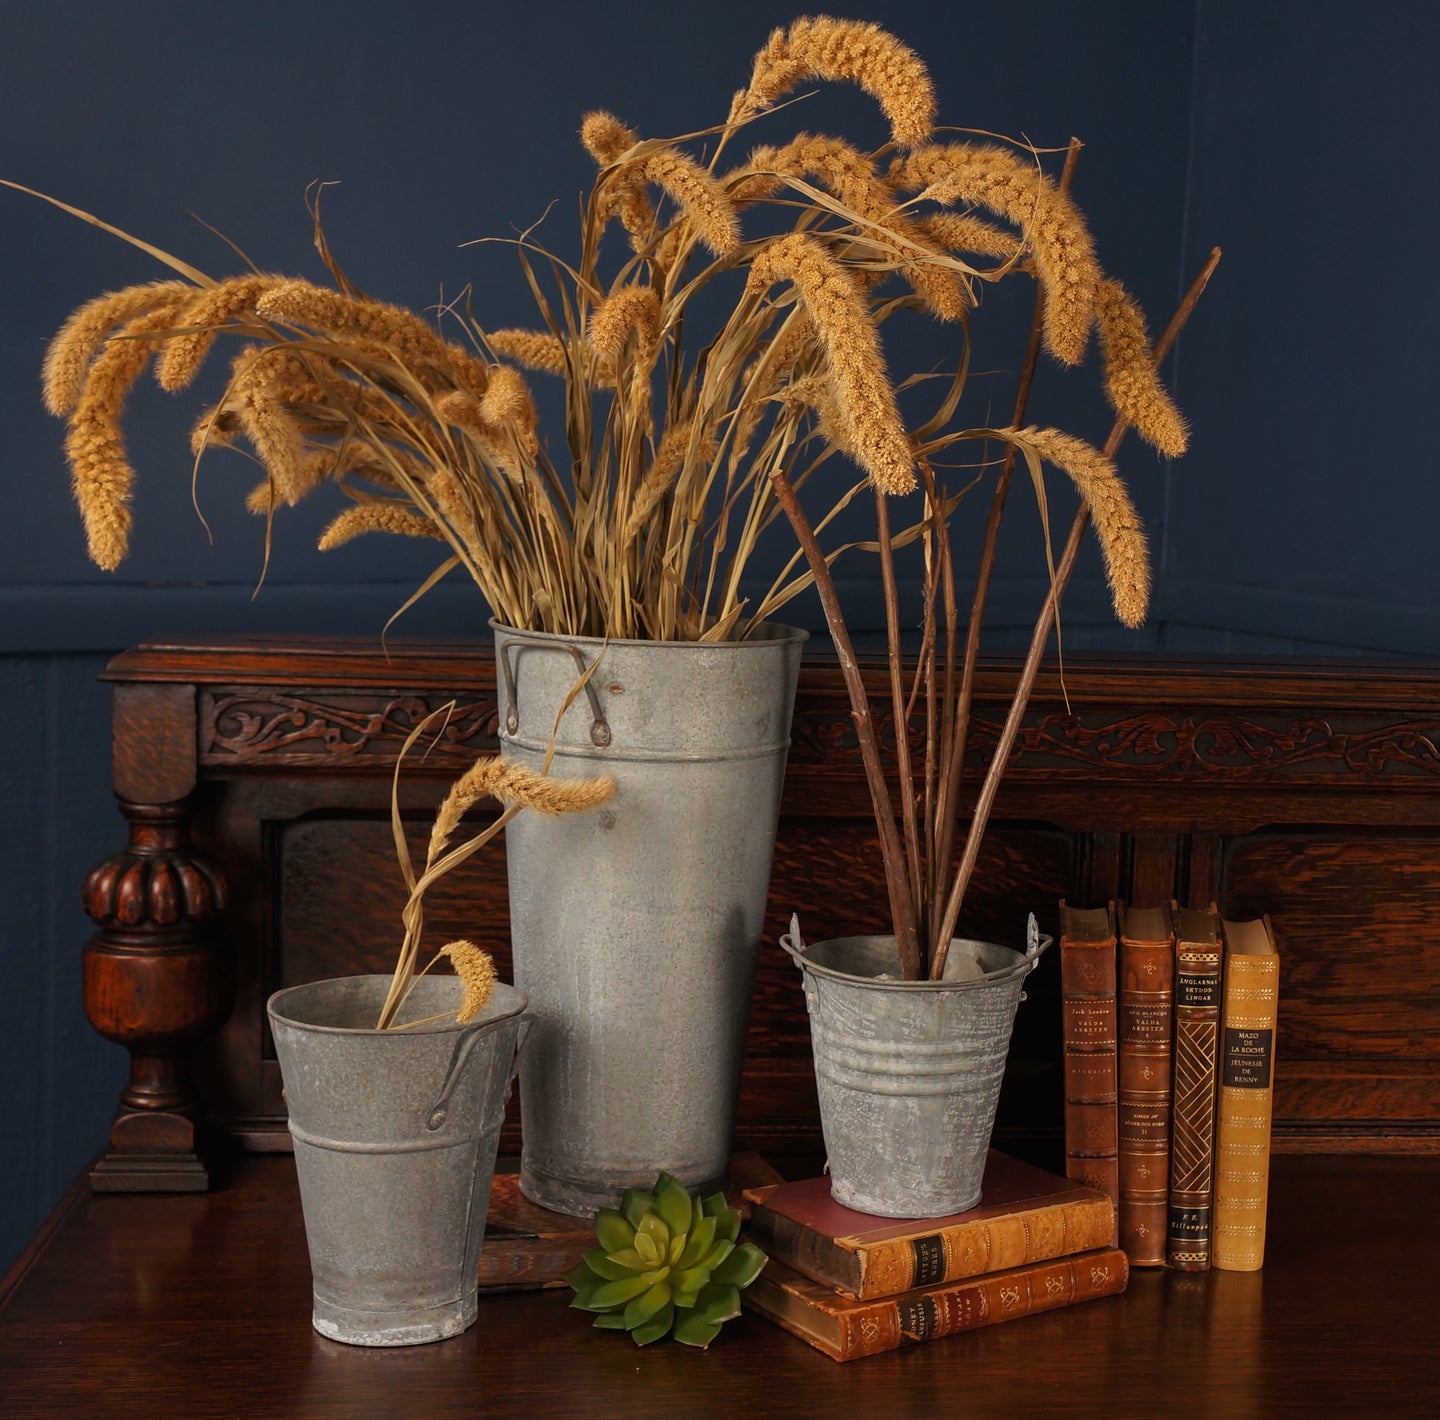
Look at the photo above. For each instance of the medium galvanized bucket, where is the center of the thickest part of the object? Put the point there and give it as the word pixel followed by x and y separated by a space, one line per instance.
pixel 908 1072
pixel 636 927
pixel 395 1135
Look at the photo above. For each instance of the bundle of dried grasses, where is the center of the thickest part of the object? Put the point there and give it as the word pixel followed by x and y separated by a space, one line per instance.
pixel 516 787
pixel 642 524
pixel 707 376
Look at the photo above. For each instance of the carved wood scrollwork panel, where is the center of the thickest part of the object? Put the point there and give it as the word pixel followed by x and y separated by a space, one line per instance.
pixel 261 726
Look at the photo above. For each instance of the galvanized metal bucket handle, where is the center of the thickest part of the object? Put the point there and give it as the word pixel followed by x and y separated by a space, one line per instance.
pixel 599 725
pixel 1036 943
pixel 436 1114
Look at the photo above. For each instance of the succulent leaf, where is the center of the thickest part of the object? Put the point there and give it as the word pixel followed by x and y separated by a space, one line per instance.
pixel 615 1294
pixel 605 1268
pixel 635 1205
pixel 666 1264
pixel 699 1243
pixel 741 1268
pixel 718 1303
pixel 650 1251
pixel 718 1253
pixel 630 1259
pixel 612 1231
pixel 582 1276
pixel 674 1205
pixel 658 1326
pixel 653 1227
pixel 693 1330
pixel 648 1305
pixel 691 1279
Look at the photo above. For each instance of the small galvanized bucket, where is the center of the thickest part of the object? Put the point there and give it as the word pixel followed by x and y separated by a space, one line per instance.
pixel 395 1136
pixel 908 1072
pixel 636 928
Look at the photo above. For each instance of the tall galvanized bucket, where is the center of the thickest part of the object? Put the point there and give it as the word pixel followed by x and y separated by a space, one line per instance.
pixel 908 1072
pixel 395 1135
pixel 636 928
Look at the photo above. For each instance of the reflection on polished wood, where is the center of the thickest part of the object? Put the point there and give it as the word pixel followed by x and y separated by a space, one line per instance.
pixel 198 1306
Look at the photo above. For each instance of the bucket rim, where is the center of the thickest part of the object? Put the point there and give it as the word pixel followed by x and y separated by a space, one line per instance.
pixel 482 1023
pixel 1023 965
pixel 768 635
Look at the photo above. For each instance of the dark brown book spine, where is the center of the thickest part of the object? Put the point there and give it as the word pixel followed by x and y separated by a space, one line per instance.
pixel 1147 999
pixel 847 1330
pixel 1087 980
pixel 1192 1115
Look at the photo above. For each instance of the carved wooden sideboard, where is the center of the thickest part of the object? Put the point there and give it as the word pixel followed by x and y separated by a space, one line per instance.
pixel 255 776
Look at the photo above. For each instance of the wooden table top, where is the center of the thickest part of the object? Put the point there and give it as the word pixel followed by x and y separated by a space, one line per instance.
pixel 198 1306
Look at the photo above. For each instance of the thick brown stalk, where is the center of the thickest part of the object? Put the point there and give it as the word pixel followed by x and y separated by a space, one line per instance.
pixel 950 787
pixel 902 905
pixel 1040 639
pixel 899 714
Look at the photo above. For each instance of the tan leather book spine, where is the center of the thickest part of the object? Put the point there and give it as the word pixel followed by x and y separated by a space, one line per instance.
pixel 1146 1007
pixel 846 1330
pixel 1192 1114
pixel 1087 986
pixel 966 1250
pixel 1248 1017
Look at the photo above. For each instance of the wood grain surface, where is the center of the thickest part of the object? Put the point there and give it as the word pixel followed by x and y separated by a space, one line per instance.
pixel 199 1306
pixel 1311 792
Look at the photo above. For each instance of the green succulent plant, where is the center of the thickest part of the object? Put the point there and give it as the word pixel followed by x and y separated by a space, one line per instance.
pixel 666 1261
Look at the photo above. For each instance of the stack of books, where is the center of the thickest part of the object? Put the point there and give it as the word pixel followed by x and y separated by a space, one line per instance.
pixel 1169 1036
pixel 853 1285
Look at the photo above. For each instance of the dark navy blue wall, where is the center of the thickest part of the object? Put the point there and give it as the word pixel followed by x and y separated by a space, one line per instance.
pixel 1288 134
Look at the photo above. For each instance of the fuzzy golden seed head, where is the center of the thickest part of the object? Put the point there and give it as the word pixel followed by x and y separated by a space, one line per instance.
pixel 476 970
pixel 820 47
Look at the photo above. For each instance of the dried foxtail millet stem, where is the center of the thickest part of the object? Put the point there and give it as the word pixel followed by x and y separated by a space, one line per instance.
pixel 630 312
pixel 206 312
pixel 852 350
pixel 1117 525
pixel 692 403
pixel 535 349
pixel 1055 232
pixel 851 176
pixel 377 323
pixel 513 783
pixel 77 343
pixel 660 477
pixel 100 470
pixel 387 517
pixel 1131 379
pixel 696 192
pixel 819 47
pixel 606 139
pixel 959 231
pixel 476 970
pixel 1040 637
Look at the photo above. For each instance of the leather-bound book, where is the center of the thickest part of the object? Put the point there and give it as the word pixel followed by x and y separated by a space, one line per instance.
pixel 1025 1214
pixel 1248 1011
pixel 1192 1115
pixel 846 1329
pixel 1146 1006
pixel 1087 984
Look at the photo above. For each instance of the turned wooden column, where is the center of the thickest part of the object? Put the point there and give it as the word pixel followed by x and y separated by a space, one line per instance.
pixel 155 977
